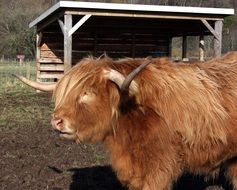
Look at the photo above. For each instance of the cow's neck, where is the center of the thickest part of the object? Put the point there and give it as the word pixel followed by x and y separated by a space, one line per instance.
pixel 138 134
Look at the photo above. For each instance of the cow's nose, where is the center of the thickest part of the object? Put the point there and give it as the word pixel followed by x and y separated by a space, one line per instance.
pixel 57 123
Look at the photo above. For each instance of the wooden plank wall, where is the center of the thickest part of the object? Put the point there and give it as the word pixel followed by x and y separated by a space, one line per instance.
pixel 51 54
pixel 118 38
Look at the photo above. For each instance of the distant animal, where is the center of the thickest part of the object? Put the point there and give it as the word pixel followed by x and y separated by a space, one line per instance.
pixel 157 118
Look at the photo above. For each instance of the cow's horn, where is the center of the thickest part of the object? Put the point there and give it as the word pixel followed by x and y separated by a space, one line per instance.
pixel 127 83
pixel 37 85
pixel 131 76
pixel 118 79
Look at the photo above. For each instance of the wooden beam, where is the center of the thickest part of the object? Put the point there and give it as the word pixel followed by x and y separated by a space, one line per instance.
pixel 143 15
pixel 212 30
pixel 61 24
pixel 217 33
pixel 184 47
pixel 39 36
pixel 38 42
pixel 49 75
pixel 201 48
pixel 79 24
pixel 39 39
pixel 67 43
pixel 218 41
pixel 51 67
pixel 50 60
pixel 48 21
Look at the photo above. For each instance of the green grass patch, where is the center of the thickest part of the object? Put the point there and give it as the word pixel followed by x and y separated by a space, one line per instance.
pixel 20 105
pixel 8 82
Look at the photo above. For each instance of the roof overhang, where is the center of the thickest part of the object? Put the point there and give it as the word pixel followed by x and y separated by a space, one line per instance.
pixel 155 9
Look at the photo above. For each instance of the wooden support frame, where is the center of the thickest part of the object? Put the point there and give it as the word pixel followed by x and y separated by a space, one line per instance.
pixel 141 15
pixel 217 33
pixel 212 30
pixel 61 24
pixel 218 41
pixel 67 42
pixel 39 37
pixel 67 31
pixel 201 48
pixel 79 24
pixel 52 19
pixel 55 52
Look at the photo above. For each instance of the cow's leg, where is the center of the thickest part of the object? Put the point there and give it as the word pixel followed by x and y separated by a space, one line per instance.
pixel 155 182
pixel 214 187
pixel 157 187
pixel 232 175
pixel 164 175
pixel 231 172
pixel 161 181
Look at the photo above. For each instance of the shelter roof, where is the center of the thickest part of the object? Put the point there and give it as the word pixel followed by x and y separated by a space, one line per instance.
pixel 132 8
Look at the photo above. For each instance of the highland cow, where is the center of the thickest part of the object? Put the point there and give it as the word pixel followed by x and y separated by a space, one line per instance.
pixel 162 120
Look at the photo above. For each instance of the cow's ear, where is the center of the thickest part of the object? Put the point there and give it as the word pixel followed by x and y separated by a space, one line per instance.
pixel 118 78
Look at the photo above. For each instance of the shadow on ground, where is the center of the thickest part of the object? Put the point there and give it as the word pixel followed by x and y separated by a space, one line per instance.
pixel 91 178
pixel 190 182
pixel 103 178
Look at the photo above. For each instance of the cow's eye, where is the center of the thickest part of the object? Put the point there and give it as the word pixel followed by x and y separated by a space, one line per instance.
pixel 87 97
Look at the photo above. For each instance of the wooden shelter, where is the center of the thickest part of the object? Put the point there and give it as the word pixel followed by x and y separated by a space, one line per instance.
pixel 69 31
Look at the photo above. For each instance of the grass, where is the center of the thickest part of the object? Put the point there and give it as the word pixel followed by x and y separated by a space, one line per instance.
pixel 19 104
pixel 10 83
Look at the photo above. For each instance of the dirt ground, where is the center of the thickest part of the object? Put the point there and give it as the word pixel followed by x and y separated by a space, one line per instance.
pixel 33 157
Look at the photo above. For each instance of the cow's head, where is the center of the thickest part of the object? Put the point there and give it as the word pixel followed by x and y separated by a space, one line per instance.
pixel 88 99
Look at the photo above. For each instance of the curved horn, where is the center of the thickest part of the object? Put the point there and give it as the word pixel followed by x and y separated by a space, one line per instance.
pixel 131 76
pixel 118 79
pixel 37 85
pixel 125 83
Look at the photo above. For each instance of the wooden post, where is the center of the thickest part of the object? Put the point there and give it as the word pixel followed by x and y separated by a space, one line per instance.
pixel 67 43
pixel 38 44
pixel 201 48
pixel 218 41
pixel 184 47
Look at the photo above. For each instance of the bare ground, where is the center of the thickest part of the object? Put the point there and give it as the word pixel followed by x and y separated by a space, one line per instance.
pixel 33 157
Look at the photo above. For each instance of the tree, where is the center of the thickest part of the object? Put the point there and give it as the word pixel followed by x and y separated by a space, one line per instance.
pixel 15 33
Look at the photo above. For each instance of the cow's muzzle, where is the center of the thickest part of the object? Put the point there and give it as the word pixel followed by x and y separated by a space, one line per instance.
pixel 61 127
pixel 57 124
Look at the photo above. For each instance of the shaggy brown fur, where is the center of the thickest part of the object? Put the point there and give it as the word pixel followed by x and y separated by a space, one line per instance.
pixel 182 118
